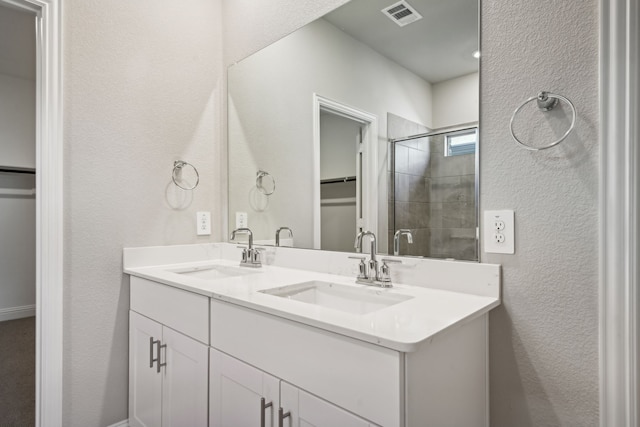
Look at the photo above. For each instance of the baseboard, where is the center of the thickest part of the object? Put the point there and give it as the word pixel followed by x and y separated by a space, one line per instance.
pixel 124 423
pixel 13 313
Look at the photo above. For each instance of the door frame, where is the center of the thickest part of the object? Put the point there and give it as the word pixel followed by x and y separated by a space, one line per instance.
pixel 619 218
pixel 370 165
pixel 49 208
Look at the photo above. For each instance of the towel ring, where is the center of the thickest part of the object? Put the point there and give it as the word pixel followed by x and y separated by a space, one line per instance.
pixel 546 101
pixel 260 175
pixel 177 167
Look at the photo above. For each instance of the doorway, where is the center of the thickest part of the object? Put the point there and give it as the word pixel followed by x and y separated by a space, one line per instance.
pixel 49 207
pixel 341 155
pixel 345 171
pixel 18 219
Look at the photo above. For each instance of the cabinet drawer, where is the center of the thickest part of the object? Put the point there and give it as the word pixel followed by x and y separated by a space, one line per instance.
pixel 360 377
pixel 180 310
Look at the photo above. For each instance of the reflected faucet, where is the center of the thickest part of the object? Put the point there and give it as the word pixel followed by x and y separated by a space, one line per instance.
pixel 250 255
pixel 358 246
pixel 278 234
pixel 396 239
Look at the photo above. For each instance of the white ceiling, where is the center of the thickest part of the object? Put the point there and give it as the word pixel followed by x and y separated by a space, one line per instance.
pixel 438 47
pixel 17 43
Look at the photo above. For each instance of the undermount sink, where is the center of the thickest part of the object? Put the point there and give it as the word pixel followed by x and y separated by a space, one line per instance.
pixel 345 298
pixel 213 272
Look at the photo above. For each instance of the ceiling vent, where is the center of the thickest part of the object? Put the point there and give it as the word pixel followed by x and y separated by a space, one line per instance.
pixel 401 13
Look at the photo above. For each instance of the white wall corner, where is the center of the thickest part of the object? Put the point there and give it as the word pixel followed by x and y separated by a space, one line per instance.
pixel 619 219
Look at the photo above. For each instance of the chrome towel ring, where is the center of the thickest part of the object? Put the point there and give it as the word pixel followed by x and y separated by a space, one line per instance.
pixel 546 101
pixel 178 166
pixel 267 188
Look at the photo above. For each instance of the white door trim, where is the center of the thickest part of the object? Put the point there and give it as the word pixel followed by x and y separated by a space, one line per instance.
pixel 370 142
pixel 49 209
pixel 619 202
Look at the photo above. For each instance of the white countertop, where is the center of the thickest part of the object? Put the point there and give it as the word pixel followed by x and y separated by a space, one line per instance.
pixel 402 326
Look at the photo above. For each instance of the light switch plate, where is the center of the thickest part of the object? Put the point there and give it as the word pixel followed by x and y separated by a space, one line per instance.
pixel 203 223
pixel 499 232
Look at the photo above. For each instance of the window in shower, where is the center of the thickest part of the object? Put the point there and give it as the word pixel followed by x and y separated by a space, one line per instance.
pixel 460 143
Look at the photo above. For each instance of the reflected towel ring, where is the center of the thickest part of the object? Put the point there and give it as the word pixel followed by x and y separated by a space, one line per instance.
pixel 177 167
pixel 260 185
pixel 546 102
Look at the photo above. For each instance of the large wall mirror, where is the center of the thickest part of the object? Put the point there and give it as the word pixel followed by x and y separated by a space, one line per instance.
pixel 365 119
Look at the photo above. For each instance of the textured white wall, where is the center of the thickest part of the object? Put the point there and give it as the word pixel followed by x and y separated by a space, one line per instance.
pixel 544 338
pixel 456 101
pixel 143 84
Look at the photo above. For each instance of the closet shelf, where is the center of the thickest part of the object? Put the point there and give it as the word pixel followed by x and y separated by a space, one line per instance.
pixel 11 169
pixel 336 180
pixel 17 192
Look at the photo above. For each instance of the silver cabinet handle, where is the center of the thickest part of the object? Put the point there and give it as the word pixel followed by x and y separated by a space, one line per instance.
pixel 151 358
pixel 159 347
pixel 263 407
pixel 281 416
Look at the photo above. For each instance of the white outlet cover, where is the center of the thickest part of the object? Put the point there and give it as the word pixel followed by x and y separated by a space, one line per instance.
pixel 242 220
pixel 499 222
pixel 203 223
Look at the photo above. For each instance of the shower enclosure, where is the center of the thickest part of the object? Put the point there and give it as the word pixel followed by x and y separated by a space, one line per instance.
pixel 433 191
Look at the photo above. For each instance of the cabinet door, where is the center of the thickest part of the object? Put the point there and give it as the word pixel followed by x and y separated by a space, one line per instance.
pixel 236 392
pixel 185 384
pixel 145 383
pixel 307 410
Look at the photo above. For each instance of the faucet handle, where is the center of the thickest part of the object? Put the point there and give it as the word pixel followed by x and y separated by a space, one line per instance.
pixel 385 271
pixel 363 269
pixel 254 256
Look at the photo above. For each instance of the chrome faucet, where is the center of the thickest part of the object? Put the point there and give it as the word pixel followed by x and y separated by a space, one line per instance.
pixel 369 273
pixel 278 234
pixel 250 255
pixel 396 240
pixel 373 262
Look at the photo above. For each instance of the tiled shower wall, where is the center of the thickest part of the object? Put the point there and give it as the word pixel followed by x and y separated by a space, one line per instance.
pixel 434 195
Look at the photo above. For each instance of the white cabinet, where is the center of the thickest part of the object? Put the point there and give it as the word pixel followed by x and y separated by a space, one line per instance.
pixel 306 410
pixel 185 386
pixel 441 384
pixel 242 395
pixel 196 361
pixel 167 376
pixel 145 383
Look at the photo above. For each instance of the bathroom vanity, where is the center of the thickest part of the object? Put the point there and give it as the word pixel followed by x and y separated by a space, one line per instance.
pixel 297 342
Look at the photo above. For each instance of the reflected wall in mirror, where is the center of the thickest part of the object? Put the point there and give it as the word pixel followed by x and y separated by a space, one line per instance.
pixel 363 124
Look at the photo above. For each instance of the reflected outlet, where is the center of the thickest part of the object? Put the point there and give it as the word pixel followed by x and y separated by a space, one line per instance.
pixel 203 223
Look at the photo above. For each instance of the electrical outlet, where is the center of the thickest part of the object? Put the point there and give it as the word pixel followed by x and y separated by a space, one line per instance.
pixel 203 223
pixel 242 220
pixel 499 232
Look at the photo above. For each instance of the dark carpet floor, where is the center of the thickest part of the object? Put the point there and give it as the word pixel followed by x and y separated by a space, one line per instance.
pixel 18 372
